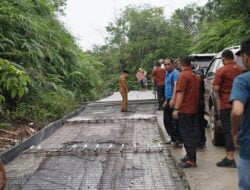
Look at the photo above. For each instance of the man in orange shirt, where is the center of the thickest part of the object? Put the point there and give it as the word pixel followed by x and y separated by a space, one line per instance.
pixel 223 83
pixel 185 109
pixel 123 88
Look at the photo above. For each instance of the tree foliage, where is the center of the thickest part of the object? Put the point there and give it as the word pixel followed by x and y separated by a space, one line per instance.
pixel 222 23
pixel 137 38
pixel 142 35
pixel 44 74
pixel 13 82
pixel 57 72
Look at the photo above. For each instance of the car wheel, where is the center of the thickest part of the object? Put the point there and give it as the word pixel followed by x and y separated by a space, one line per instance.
pixel 217 137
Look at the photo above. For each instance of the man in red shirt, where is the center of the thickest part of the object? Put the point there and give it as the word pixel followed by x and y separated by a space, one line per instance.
pixel 185 108
pixel 223 83
pixel 159 77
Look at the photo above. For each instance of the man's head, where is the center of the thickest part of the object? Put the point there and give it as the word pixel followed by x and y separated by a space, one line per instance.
pixel 169 64
pixel 244 52
pixel 140 69
pixel 125 72
pixel 227 56
pixel 186 62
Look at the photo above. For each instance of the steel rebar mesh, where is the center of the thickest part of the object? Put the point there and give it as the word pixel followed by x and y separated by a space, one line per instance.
pixel 61 163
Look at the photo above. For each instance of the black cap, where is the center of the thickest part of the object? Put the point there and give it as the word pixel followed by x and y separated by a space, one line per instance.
pixel 125 71
pixel 244 47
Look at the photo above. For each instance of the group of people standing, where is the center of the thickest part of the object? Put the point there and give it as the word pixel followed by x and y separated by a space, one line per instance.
pixel 180 91
pixel 184 108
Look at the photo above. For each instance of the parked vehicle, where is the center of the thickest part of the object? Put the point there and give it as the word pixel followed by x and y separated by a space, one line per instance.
pixel 211 99
pixel 203 60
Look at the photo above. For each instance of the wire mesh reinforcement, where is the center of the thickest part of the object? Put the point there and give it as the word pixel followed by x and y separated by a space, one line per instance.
pixel 117 155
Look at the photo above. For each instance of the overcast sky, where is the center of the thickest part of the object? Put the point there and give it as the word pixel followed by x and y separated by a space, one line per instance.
pixel 86 19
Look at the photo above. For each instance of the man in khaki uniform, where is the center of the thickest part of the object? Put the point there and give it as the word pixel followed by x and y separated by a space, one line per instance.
pixel 123 88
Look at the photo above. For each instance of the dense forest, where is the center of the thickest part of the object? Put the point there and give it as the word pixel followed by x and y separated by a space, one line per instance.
pixel 44 74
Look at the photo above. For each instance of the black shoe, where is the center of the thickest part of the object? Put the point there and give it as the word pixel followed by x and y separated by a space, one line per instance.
pixel 184 159
pixel 188 164
pixel 226 163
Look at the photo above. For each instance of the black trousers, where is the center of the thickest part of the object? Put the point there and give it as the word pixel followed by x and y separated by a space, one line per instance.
pixel 171 125
pixel 160 95
pixel 188 130
pixel 226 124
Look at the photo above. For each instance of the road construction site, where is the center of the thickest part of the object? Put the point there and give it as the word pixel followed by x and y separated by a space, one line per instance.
pixel 101 148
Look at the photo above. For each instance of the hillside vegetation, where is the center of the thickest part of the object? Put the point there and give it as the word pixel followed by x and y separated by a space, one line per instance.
pixel 45 75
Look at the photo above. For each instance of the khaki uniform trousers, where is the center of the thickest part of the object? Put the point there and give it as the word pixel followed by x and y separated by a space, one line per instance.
pixel 124 104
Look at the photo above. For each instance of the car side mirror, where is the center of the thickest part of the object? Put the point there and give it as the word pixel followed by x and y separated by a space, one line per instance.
pixel 210 74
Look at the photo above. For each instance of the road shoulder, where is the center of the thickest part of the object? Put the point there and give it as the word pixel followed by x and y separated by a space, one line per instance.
pixel 206 176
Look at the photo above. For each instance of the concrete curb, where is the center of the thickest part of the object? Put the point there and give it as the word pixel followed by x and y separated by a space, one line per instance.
pixel 166 138
pixel 35 139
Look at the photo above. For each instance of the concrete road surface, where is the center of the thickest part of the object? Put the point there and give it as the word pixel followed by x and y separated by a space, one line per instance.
pixel 207 176
pixel 62 162
pixel 132 95
pixel 85 153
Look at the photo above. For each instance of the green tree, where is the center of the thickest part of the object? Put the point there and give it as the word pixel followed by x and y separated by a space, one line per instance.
pixel 139 37
pixel 60 74
pixel 222 23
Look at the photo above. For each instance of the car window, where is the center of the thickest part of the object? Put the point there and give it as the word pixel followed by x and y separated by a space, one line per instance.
pixel 203 63
pixel 239 61
pixel 219 65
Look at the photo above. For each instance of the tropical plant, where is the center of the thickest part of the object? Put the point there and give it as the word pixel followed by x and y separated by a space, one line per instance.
pixel 48 62
pixel 12 80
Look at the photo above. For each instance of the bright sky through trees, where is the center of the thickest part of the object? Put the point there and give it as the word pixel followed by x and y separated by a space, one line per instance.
pixel 86 19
